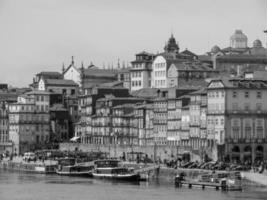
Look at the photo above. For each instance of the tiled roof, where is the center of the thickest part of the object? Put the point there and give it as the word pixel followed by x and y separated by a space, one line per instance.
pixel 243 83
pixel 37 92
pixel 204 58
pixel 145 53
pixel 201 91
pixel 58 107
pixel 115 84
pixel 187 52
pixel 242 58
pixel 192 66
pixel 146 93
pixel 111 84
pixel 96 72
pixel 7 96
pixel 50 73
pixel 60 82
pixel 123 70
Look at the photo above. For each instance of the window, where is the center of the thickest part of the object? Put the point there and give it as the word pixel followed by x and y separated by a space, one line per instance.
pixel 234 94
pixel 258 106
pixel 64 91
pixel 72 91
pixel 235 128
pixel 246 94
pixel 246 106
pixel 235 106
pixel 259 95
pixel 222 121
pixel 248 129
pixel 259 128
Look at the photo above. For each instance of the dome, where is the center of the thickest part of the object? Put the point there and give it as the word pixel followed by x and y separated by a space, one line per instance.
pixel 257 43
pixel 238 40
pixel 215 49
pixel 239 35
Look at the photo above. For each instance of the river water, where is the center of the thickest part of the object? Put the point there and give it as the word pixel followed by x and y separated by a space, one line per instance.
pixel 23 186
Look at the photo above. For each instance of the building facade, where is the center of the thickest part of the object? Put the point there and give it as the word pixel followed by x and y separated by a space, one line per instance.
pixel 29 123
pixel 237 119
pixel 238 58
pixel 141 71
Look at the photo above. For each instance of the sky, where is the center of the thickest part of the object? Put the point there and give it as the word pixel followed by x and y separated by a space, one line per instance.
pixel 41 35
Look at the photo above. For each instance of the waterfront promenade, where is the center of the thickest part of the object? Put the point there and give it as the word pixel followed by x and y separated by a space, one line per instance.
pixel 256 178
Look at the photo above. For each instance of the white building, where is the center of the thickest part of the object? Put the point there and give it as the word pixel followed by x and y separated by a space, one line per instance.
pixel 159 70
pixel 72 73
pixel 141 71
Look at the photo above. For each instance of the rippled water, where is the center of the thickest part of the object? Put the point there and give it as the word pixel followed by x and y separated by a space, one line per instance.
pixel 24 186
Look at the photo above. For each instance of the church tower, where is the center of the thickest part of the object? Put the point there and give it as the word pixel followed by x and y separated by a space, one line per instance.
pixel 171 46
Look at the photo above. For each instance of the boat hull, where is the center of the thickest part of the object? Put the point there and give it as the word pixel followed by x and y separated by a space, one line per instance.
pixel 121 177
pixel 79 174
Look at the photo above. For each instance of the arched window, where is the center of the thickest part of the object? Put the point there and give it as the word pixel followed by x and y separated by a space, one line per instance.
pixel 248 149
pixel 236 149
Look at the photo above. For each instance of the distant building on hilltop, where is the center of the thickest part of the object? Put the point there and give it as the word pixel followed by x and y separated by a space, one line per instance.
pixel 90 76
pixel 238 58
pixel 173 68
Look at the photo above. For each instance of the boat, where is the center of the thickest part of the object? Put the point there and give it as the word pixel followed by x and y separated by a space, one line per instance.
pixel 29 167
pixel 227 181
pixel 110 169
pixel 69 167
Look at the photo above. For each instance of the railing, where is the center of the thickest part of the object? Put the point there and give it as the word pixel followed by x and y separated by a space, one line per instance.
pixel 246 111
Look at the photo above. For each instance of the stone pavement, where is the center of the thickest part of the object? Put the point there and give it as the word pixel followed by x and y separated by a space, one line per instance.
pixel 256 177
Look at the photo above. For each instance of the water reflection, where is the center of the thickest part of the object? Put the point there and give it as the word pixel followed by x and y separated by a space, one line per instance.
pixel 25 186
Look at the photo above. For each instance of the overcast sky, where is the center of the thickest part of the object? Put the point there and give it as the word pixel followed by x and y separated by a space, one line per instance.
pixel 38 35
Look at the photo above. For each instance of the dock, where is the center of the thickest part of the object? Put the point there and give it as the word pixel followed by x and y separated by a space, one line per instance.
pixel 217 186
pixel 147 169
pixel 46 167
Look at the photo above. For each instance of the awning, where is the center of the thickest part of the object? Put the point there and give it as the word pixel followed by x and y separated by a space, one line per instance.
pixel 74 139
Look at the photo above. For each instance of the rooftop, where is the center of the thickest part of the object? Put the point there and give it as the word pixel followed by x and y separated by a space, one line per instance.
pixel 145 93
pixel 58 107
pixel 60 82
pixel 97 72
pixel 242 83
pixel 50 73
pixel 37 92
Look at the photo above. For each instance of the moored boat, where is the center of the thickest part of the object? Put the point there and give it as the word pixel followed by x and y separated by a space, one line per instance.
pixel 110 169
pixel 68 167
pixel 227 181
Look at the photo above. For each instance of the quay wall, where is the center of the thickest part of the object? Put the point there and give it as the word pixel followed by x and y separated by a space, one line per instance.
pixel 153 152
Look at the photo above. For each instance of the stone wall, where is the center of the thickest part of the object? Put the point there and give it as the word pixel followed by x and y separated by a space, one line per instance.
pixel 153 152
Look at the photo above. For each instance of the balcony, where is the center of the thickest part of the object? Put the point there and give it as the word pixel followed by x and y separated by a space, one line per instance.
pixel 216 111
pixel 243 112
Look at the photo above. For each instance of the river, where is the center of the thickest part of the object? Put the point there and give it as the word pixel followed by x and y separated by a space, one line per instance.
pixel 23 186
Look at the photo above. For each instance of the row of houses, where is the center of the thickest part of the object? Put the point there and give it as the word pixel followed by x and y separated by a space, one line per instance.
pixel 226 120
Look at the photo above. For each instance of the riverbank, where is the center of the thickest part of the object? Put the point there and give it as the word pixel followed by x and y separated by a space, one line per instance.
pixel 160 173
pixel 255 178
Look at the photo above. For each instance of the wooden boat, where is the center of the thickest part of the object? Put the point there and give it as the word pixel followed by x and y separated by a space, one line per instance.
pixel 110 169
pixel 225 181
pixel 68 167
